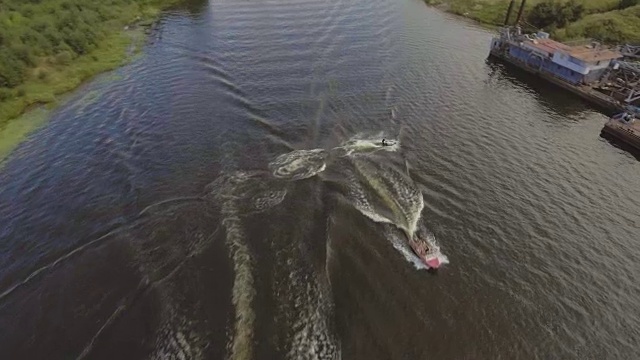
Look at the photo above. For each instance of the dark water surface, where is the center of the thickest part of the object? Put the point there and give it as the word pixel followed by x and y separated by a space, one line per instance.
pixel 224 196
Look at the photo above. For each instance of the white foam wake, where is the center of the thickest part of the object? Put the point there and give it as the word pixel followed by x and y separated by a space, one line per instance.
pixel 313 338
pixel 299 164
pixel 243 291
pixel 400 243
pixel 176 339
pixel 363 143
pixel 375 190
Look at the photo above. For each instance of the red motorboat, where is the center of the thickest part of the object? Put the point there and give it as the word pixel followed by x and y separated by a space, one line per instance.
pixel 428 255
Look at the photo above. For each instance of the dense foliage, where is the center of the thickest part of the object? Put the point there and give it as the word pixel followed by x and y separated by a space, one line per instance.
pixel 555 14
pixel 55 31
pixel 615 27
pixel 628 3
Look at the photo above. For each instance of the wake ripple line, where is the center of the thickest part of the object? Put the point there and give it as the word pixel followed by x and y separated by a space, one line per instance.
pixel 168 201
pixel 124 306
pixel 55 263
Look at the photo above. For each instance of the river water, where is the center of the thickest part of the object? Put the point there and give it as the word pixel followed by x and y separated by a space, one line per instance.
pixel 225 196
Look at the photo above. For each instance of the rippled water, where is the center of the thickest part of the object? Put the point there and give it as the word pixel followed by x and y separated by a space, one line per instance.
pixel 225 196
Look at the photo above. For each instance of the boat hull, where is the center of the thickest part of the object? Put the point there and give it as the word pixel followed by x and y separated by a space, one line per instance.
pixel 429 258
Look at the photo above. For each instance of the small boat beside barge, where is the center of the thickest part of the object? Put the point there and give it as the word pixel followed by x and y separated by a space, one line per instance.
pixel 624 127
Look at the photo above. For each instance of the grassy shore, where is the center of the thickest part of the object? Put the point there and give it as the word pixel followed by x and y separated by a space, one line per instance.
pixel 53 60
pixel 602 19
pixel 22 114
pixel 616 26
pixel 110 53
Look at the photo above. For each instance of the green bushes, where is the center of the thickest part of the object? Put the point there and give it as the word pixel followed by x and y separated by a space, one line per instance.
pixel 4 94
pixel 554 14
pixel 64 58
pixel 615 27
pixel 599 6
pixel 48 47
pixel 628 3
pixel 12 69
pixel 35 30
pixel 42 74
pixel 571 20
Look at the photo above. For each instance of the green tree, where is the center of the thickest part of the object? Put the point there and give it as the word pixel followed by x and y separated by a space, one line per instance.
pixel 568 12
pixel 555 14
pixel 542 15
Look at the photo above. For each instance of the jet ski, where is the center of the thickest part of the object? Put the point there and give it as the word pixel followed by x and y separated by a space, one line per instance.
pixel 386 142
pixel 428 255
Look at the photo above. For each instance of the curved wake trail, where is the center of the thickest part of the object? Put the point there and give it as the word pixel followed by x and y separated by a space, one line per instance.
pixel 391 191
pixel 384 194
pixel 299 164
pixel 394 200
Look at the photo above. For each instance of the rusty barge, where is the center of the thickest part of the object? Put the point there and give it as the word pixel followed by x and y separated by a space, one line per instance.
pixel 578 69
pixel 606 77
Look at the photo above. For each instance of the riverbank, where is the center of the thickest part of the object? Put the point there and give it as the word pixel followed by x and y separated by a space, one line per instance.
pixel 46 77
pixel 612 21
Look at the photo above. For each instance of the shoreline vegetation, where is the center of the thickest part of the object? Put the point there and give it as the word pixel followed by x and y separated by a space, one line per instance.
pixel 609 21
pixel 50 47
